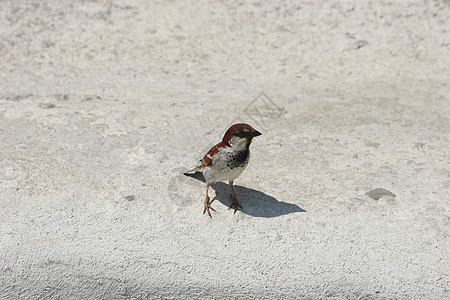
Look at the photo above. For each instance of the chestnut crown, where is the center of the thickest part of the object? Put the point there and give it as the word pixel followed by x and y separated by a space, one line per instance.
pixel 242 131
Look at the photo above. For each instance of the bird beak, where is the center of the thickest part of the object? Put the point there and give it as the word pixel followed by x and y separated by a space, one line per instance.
pixel 255 133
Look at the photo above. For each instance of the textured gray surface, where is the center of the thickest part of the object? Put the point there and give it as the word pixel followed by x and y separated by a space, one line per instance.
pixel 104 104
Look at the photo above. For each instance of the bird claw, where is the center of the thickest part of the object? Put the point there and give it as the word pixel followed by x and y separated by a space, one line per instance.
pixel 235 205
pixel 207 208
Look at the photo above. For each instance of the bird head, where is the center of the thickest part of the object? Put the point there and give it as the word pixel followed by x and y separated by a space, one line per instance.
pixel 240 135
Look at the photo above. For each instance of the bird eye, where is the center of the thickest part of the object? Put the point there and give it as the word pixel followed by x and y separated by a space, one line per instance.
pixel 242 134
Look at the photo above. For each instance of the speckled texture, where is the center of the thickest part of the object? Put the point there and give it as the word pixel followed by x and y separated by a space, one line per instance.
pixel 103 105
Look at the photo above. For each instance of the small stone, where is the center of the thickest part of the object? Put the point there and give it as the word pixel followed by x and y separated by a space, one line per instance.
pixel 418 146
pixel 360 44
pixel 47 105
pixel 372 144
pixel 90 98
pixel 378 193
pixel 62 97
pixel 130 197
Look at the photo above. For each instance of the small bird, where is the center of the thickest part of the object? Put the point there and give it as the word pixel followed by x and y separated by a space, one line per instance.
pixel 227 160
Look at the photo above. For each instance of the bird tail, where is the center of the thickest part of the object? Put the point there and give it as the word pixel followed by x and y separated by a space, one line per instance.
pixel 193 170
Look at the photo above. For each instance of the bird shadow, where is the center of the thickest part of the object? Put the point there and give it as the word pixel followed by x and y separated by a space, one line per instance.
pixel 254 203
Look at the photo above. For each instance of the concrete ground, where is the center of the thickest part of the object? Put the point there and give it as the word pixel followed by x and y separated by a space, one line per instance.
pixel 103 105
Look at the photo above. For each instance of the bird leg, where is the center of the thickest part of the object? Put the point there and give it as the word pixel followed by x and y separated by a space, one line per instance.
pixel 207 206
pixel 234 204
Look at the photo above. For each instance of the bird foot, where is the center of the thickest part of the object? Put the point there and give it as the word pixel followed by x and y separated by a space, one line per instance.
pixel 208 207
pixel 235 204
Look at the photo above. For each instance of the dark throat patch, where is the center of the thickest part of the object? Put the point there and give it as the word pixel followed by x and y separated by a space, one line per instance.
pixel 238 159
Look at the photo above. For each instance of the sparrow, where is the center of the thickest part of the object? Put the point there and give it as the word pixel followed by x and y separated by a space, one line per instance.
pixel 227 160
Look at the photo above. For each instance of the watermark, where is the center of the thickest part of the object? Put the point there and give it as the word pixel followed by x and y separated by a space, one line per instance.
pixel 189 190
pixel 261 111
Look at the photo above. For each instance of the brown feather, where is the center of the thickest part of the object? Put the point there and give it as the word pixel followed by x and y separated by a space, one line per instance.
pixel 233 130
pixel 207 159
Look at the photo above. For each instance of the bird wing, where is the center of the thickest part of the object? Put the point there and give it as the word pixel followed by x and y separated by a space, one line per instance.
pixel 208 158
